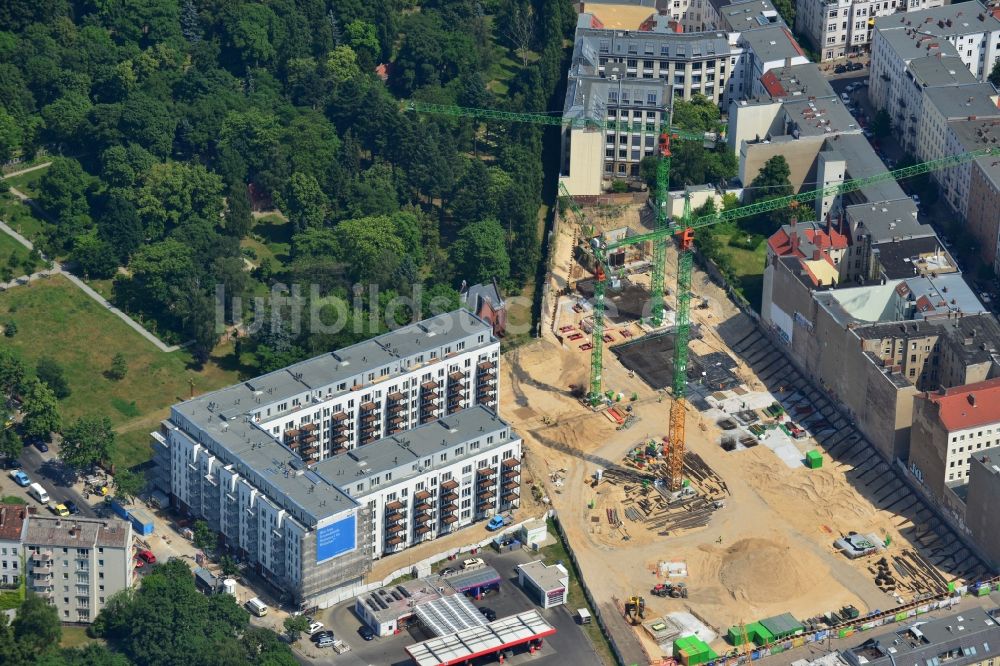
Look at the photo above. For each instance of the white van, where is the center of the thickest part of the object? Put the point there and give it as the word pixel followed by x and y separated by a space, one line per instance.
pixel 257 607
pixel 36 491
pixel 473 563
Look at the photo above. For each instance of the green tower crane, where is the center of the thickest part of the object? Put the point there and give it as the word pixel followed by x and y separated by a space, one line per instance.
pixel 684 232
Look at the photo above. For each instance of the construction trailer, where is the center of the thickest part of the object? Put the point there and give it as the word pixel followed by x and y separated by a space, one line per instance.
pixel 692 651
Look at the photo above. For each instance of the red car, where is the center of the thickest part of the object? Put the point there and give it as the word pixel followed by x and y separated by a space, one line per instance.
pixel 147 556
pixel 139 563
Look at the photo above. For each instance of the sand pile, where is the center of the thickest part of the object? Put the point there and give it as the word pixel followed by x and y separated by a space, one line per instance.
pixel 765 571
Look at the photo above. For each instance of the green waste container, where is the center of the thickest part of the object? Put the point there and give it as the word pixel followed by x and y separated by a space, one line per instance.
pixel 814 459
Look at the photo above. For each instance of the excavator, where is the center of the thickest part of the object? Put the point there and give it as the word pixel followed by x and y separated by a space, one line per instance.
pixel 672 590
pixel 635 609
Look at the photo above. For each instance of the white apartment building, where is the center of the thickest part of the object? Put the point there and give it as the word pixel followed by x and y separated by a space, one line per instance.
pixel 247 458
pixel 12 524
pixel 838 28
pixel 950 427
pixel 435 479
pixel 77 563
pixel 968 27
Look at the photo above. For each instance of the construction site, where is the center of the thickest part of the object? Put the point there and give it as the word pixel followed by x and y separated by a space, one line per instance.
pixel 781 508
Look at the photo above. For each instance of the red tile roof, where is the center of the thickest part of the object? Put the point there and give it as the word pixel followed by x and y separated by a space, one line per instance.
pixel 772 85
pixel 968 406
pixel 11 520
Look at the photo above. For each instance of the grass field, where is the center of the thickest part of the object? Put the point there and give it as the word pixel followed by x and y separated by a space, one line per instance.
pixel 9 246
pixel 27 182
pixel 20 217
pixel 55 319
pixel 76 637
pixel 749 267
pixel 276 234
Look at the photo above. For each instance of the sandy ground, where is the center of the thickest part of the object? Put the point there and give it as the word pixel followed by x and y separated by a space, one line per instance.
pixel 767 551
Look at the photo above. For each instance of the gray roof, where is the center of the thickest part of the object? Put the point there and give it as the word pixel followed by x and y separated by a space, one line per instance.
pixel 77 532
pixel 545 576
pixel 887 220
pixel 589 97
pixel 771 43
pixel 982 329
pixel 749 14
pixel 955 102
pixel 656 45
pixel 979 134
pixel 897 257
pixel 819 117
pixel 400 453
pixel 862 161
pixel 964 18
pixel 972 635
pixel 907 43
pixel 936 296
pixel 805 80
pixel 487 291
pixel 940 71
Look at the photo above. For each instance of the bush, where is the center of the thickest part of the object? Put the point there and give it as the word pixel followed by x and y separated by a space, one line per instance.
pixel 10 329
pixel 619 186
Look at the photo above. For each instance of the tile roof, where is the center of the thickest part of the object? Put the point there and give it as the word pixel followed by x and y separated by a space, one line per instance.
pixel 12 521
pixel 968 406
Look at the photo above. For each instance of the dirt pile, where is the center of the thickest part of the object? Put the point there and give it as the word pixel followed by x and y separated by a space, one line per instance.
pixel 766 571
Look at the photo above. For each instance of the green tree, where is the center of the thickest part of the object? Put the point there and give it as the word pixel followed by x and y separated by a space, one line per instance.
pixel 12 371
pixel 373 247
pixel 119 367
pixel 228 566
pixel 49 371
pixel 128 484
pixel 480 252
pixel 10 443
pixel 295 626
pixel 699 114
pixel 94 257
pixel 995 74
pixel 62 189
pixel 176 192
pixel 204 537
pixel 87 442
pixel 11 135
pixel 304 202
pixel 361 37
pixel 238 217
pixel 92 654
pixel 65 117
pixel 158 270
pixel 119 225
pixel 342 65
pixel 36 626
pixel 772 182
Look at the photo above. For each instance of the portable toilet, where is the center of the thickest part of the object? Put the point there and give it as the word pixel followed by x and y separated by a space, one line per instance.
pixel 229 586
pixel 814 459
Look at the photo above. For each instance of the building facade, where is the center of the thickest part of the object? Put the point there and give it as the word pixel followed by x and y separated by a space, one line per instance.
pixel 249 459
pixel 981 503
pixel 950 428
pixel 839 28
pixel 77 563
pixel 13 518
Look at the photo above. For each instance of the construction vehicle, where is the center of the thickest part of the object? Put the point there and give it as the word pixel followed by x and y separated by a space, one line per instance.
pixel 672 590
pixel 635 609
pixel 684 232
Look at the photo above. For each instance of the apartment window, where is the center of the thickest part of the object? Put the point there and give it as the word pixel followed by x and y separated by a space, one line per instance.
pixel 651 98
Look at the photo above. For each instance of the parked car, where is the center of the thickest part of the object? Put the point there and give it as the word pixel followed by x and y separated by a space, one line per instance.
pixel 147 556
pixel 314 627
pixel 840 69
pixel 845 98
pixel 446 570
pixel 320 635
pixel 855 66
pixel 72 507
pixel 20 478
pixel 326 642
pixel 41 446
pixel 488 613
pixel 473 563
pixel 59 509
pixel 366 633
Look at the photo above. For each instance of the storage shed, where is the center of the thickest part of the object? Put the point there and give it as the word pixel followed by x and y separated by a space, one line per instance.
pixel 692 651
pixel 782 626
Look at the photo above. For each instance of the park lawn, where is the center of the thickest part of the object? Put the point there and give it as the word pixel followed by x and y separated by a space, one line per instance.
pixel 749 267
pixel 27 183
pixel 104 287
pixel 10 246
pixel 56 319
pixel 74 637
pixel 20 217
pixel 276 233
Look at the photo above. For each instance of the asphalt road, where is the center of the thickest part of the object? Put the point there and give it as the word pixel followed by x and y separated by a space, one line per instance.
pixel 55 477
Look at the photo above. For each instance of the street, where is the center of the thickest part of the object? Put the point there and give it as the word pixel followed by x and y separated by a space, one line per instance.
pixel 55 477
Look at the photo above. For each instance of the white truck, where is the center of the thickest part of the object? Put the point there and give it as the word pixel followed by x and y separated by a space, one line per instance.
pixel 39 493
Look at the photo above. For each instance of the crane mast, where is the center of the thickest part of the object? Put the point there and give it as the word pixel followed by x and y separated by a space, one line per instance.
pixel 685 231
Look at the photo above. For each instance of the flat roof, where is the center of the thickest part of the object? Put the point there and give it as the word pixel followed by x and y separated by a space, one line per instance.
pixel 976 135
pixel 620 16
pixel 750 14
pixel 806 80
pixel 909 44
pixel 819 117
pixel 669 45
pixel 77 532
pixel 899 259
pixel 862 161
pixel 888 220
pixel 545 576
pixel 466 645
pixel 463 580
pixel 771 43
pixel 968 101
pixel 449 615
pixel 940 71
pixel 391 602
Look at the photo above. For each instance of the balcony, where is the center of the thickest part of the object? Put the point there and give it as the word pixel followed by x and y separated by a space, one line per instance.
pixel 422 518
pixel 422 495
pixel 422 530
pixel 368 406
pixel 485 495
pixel 450 484
pixel 449 508
pixel 511 485
pixel 485 482
pixel 394 541
pixel 339 417
pixel 449 496
pixel 486 365
pixel 486 471
pixel 395 529
pixel 509 497
pixel 449 519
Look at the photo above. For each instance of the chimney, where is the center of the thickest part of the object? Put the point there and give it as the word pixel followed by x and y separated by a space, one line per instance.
pixel 972 399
